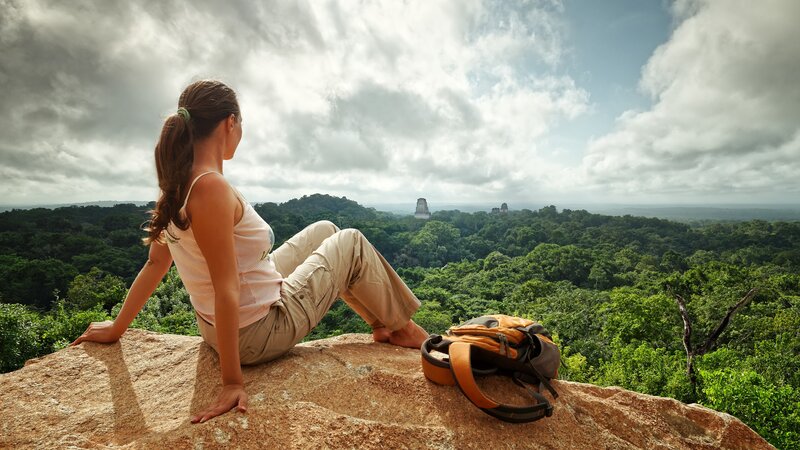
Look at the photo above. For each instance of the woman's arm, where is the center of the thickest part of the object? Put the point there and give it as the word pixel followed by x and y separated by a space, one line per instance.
pixel 152 273
pixel 212 210
pixel 146 282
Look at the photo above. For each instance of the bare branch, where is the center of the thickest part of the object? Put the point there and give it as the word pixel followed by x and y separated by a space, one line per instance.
pixel 712 339
pixel 687 325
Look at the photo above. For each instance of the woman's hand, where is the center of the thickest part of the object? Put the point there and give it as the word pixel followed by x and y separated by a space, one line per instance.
pixel 103 332
pixel 232 396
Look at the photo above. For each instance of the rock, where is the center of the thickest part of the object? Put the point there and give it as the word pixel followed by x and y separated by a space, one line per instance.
pixel 342 392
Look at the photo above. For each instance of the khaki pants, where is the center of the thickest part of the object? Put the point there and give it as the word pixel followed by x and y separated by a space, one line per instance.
pixel 319 265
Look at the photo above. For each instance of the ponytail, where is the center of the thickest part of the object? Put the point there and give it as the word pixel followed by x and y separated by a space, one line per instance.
pixel 174 158
pixel 202 106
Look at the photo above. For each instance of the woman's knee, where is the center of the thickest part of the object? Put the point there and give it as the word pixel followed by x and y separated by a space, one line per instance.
pixel 353 235
pixel 326 226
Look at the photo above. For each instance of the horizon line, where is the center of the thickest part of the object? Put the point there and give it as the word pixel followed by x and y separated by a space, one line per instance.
pixel 757 205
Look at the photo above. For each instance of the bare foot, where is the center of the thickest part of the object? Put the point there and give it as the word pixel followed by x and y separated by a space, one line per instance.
pixel 411 336
pixel 381 334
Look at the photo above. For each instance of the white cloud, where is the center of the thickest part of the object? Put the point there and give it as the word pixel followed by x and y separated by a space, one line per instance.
pixel 725 118
pixel 378 101
pixel 387 100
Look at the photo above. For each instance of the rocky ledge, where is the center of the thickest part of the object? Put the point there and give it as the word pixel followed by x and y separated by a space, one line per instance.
pixel 343 392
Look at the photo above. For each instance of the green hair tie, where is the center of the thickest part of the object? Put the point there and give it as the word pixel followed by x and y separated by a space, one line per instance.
pixel 183 112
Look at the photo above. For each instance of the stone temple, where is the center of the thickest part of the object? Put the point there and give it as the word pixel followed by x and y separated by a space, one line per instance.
pixel 422 209
pixel 503 209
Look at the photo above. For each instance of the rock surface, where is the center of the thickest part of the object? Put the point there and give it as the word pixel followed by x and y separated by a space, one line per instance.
pixel 343 392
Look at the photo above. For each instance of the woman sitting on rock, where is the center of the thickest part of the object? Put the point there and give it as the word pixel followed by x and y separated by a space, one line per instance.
pixel 252 305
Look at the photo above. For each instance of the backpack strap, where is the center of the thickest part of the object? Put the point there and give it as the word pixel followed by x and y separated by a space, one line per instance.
pixel 462 372
pixel 435 369
pixel 461 367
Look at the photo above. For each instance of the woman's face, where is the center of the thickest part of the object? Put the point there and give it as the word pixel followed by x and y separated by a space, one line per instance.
pixel 234 137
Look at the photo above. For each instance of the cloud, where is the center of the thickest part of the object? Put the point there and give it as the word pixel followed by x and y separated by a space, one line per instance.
pixel 380 99
pixel 725 119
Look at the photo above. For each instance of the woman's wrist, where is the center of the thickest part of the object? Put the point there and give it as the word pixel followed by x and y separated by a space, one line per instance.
pixel 118 328
pixel 233 380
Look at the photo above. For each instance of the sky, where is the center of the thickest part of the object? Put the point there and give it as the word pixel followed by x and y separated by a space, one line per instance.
pixel 625 101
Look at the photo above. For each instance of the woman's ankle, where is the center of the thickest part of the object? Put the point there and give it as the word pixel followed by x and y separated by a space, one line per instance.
pixel 381 334
pixel 411 335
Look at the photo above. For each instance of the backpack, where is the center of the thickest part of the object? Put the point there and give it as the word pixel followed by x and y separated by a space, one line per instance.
pixel 496 344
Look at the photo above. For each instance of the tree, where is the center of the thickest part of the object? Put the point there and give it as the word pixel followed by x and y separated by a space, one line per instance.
pixel 569 262
pixel 642 368
pixel 772 411
pixel 692 350
pixel 95 288
pixel 633 317
pixel 168 310
pixel 64 324
pixel 432 318
pixel 20 336
pixel 32 282
pixel 436 243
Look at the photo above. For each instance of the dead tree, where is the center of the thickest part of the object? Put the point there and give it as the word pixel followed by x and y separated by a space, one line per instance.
pixel 710 342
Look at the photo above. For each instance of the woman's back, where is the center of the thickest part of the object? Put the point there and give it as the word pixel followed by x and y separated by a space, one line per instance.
pixel 260 282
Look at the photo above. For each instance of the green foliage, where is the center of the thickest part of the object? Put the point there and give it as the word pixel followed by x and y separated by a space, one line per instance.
pixel 180 322
pixel 575 367
pixel 33 282
pixel 723 358
pixel 339 320
pixel 436 243
pixel 495 260
pixel 412 276
pixel 556 263
pixel 773 411
pixel 20 336
pixel 26 334
pixel 778 361
pixel 634 317
pixel 64 324
pixel 95 288
pixel 573 313
pixel 168 310
pixel 645 369
pixel 432 318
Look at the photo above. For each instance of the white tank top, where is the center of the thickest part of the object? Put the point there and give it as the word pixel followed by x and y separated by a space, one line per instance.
pixel 259 281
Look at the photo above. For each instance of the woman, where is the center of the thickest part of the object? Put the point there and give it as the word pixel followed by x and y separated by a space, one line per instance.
pixel 252 305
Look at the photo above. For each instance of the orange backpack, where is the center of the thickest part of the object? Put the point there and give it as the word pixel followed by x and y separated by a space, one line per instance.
pixel 496 344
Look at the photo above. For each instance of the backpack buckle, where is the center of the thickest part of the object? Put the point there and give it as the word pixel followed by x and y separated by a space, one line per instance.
pixel 504 346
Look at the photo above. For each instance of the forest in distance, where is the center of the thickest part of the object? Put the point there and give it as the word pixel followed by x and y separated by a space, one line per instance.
pixel 616 291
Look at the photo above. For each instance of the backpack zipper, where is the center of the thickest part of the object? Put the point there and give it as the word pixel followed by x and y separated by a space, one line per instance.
pixel 504 343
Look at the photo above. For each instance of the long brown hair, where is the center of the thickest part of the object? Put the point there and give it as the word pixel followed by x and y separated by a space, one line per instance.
pixel 208 102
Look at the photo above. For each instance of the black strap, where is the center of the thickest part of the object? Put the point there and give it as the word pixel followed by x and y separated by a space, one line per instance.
pixel 519 415
pixel 525 370
pixel 537 379
pixel 435 342
pixel 536 395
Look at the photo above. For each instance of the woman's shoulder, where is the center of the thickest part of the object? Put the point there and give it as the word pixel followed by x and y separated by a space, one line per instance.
pixel 211 186
pixel 212 193
pixel 208 178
